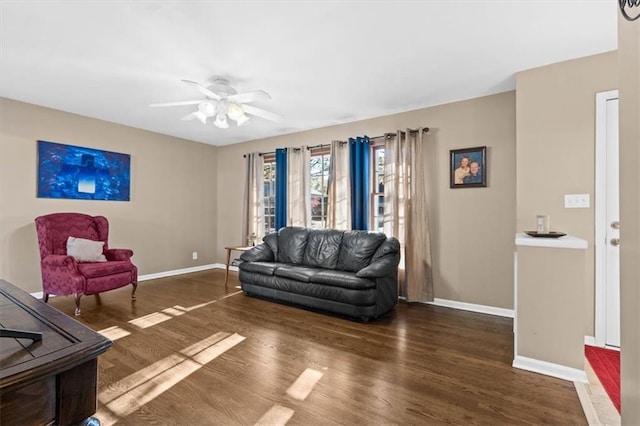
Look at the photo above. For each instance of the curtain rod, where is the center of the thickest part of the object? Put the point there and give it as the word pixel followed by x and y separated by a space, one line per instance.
pixel 322 145
pixel 296 149
pixel 385 136
pixel 390 134
pixel 260 154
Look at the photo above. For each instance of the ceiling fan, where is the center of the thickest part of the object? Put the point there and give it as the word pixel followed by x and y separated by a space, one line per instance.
pixel 222 102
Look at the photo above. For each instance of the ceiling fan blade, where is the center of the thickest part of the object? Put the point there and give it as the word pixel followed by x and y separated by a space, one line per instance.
pixel 255 95
pixel 197 114
pixel 166 104
pixel 259 112
pixel 203 89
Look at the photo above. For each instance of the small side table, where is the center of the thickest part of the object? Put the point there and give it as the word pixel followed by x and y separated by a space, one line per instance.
pixel 229 250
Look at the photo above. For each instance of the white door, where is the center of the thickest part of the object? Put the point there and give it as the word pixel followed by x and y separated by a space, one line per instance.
pixel 612 251
pixel 607 294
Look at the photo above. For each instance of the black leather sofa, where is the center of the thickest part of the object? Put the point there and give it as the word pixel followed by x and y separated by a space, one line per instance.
pixel 352 273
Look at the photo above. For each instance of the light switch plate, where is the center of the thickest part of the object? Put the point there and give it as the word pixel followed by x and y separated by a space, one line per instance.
pixel 576 201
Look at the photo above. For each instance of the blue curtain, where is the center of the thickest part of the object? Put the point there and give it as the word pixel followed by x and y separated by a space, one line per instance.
pixel 359 149
pixel 281 188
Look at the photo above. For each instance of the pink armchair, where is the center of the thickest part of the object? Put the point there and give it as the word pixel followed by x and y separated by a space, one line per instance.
pixel 63 275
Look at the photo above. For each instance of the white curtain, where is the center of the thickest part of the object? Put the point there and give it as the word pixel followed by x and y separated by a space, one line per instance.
pixel 253 214
pixel 298 187
pixel 339 203
pixel 405 213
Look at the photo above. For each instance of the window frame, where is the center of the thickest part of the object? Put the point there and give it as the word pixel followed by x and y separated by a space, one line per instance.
pixel 373 193
pixel 323 151
pixel 269 160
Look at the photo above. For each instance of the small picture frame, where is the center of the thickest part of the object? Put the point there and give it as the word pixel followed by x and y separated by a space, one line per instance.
pixel 468 167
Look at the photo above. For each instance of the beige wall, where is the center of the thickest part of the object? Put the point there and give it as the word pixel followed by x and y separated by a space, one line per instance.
pixel 555 118
pixel 629 63
pixel 473 229
pixel 548 281
pixel 173 204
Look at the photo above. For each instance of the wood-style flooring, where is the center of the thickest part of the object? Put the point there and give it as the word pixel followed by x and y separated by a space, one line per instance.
pixel 191 352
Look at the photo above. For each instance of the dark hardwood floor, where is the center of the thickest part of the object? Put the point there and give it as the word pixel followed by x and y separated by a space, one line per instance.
pixel 185 361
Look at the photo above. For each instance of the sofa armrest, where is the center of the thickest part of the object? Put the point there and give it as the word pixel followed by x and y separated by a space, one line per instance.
pixel 259 253
pixel 118 254
pixel 381 267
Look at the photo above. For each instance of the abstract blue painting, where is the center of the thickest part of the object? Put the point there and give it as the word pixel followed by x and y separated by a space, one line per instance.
pixel 67 171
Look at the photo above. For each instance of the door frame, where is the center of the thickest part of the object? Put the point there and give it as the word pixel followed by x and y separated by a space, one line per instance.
pixel 600 214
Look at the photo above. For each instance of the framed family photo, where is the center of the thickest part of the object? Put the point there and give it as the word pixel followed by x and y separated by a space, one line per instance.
pixel 468 167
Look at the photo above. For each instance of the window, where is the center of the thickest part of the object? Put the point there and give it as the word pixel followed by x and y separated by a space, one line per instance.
pixel 269 193
pixel 377 189
pixel 319 170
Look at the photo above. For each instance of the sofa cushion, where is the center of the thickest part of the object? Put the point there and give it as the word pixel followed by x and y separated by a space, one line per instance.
pixel 292 242
pixel 101 269
pixel 265 268
pixel 342 279
pixel 323 248
pixel 357 249
pixel 298 273
pixel 271 240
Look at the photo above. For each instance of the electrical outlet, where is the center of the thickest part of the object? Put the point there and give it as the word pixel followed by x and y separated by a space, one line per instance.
pixel 195 255
pixel 576 201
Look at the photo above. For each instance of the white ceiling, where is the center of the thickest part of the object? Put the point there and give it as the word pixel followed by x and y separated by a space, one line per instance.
pixel 323 62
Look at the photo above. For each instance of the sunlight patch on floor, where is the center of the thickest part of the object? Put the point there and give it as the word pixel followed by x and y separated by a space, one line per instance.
pixel 114 333
pixel 279 415
pixel 276 416
pixel 304 384
pixel 129 394
pixel 150 320
pixel 202 305
pixel 166 314
pixel 175 311
pixel 211 352
pixel 231 294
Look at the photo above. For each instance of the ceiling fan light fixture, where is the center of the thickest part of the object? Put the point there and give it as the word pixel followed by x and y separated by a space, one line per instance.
pixel 221 121
pixel 207 109
pixel 234 111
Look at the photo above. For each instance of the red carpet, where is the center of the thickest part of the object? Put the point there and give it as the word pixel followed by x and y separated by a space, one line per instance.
pixel 606 364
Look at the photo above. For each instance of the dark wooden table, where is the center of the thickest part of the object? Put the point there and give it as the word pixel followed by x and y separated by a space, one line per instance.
pixel 49 381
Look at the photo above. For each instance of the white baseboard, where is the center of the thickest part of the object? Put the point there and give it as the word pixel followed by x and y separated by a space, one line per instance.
pixel 165 274
pixel 483 309
pixel 550 369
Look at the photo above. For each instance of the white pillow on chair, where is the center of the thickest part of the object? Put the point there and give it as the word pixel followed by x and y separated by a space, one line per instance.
pixel 83 250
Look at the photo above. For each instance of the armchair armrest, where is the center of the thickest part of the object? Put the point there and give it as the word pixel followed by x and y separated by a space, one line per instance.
pixel 60 275
pixel 259 253
pixel 381 267
pixel 55 261
pixel 118 254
